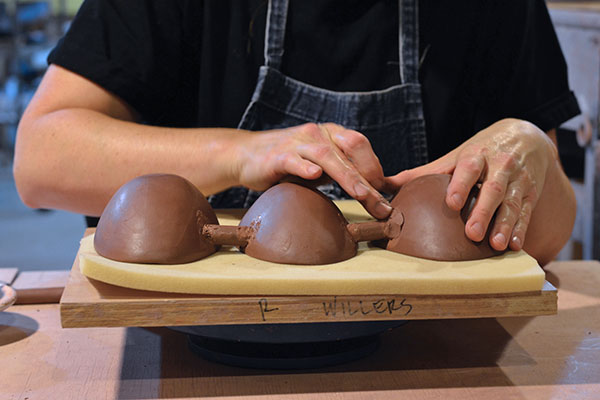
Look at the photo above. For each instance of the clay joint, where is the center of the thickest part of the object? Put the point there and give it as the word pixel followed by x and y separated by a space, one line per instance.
pixel 227 235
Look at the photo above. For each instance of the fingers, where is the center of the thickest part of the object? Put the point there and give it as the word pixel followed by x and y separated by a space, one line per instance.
pixel 520 229
pixel 443 165
pixel 508 194
pixel 510 159
pixel 507 216
pixel 358 151
pixel 513 216
pixel 491 195
pixel 467 173
pixel 293 164
pixel 347 168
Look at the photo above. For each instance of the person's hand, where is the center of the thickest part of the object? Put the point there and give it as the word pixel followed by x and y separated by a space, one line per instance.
pixel 510 159
pixel 309 151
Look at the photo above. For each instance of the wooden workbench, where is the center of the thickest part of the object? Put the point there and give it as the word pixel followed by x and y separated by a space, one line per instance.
pixel 522 357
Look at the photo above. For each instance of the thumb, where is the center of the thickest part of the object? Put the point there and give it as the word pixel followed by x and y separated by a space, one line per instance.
pixel 443 165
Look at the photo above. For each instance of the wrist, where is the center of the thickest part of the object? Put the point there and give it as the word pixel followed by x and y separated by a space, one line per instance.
pixel 235 155
pixel 210 158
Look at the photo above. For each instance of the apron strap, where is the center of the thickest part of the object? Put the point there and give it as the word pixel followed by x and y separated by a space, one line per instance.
pixel 408 40
pixel 275 32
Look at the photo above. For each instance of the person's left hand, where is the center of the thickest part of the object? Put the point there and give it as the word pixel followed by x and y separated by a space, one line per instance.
pixel 510 159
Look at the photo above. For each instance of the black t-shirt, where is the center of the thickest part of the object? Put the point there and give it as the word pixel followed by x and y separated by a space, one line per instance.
pixel 190 63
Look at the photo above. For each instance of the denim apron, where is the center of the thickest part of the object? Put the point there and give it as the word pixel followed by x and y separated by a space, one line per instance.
pixel 392 118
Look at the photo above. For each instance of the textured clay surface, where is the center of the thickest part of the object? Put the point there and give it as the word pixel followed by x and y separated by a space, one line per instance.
pixel 155 219
pixel 297 225
pixel 430 228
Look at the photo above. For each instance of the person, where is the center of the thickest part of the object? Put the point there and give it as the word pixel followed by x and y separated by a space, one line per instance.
pixel 236 96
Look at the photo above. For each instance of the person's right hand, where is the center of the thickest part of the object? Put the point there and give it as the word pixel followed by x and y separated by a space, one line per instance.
pixel 308 151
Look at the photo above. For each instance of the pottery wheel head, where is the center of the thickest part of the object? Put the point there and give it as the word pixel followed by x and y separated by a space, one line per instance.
pixel 430 228
pixel 297 225
pixel 155 219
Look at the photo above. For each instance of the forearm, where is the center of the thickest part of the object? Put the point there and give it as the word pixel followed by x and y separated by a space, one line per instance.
pixel 76 158
pixel 553 217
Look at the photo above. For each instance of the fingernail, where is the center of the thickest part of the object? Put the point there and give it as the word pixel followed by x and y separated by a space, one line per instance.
pixel 477 229
pixel 500 238
pixel 383 209
pixel 313 169
pixel 457 199
pixel 516 241
pixel 361 189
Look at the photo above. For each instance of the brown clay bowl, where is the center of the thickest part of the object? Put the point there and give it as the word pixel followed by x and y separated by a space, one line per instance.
pixel 430 228
pixel 154 219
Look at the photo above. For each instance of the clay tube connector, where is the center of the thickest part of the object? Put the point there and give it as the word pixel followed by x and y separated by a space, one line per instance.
pixel 227 235
pixel 377 230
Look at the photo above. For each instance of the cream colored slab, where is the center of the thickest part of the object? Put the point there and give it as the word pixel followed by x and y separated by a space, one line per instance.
pixel 372 271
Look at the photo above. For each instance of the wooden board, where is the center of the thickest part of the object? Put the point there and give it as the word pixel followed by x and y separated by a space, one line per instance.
pixel 38 287
pixel 90 303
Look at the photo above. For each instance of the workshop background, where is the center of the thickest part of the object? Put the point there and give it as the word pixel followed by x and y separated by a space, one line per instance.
pixel 48 239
